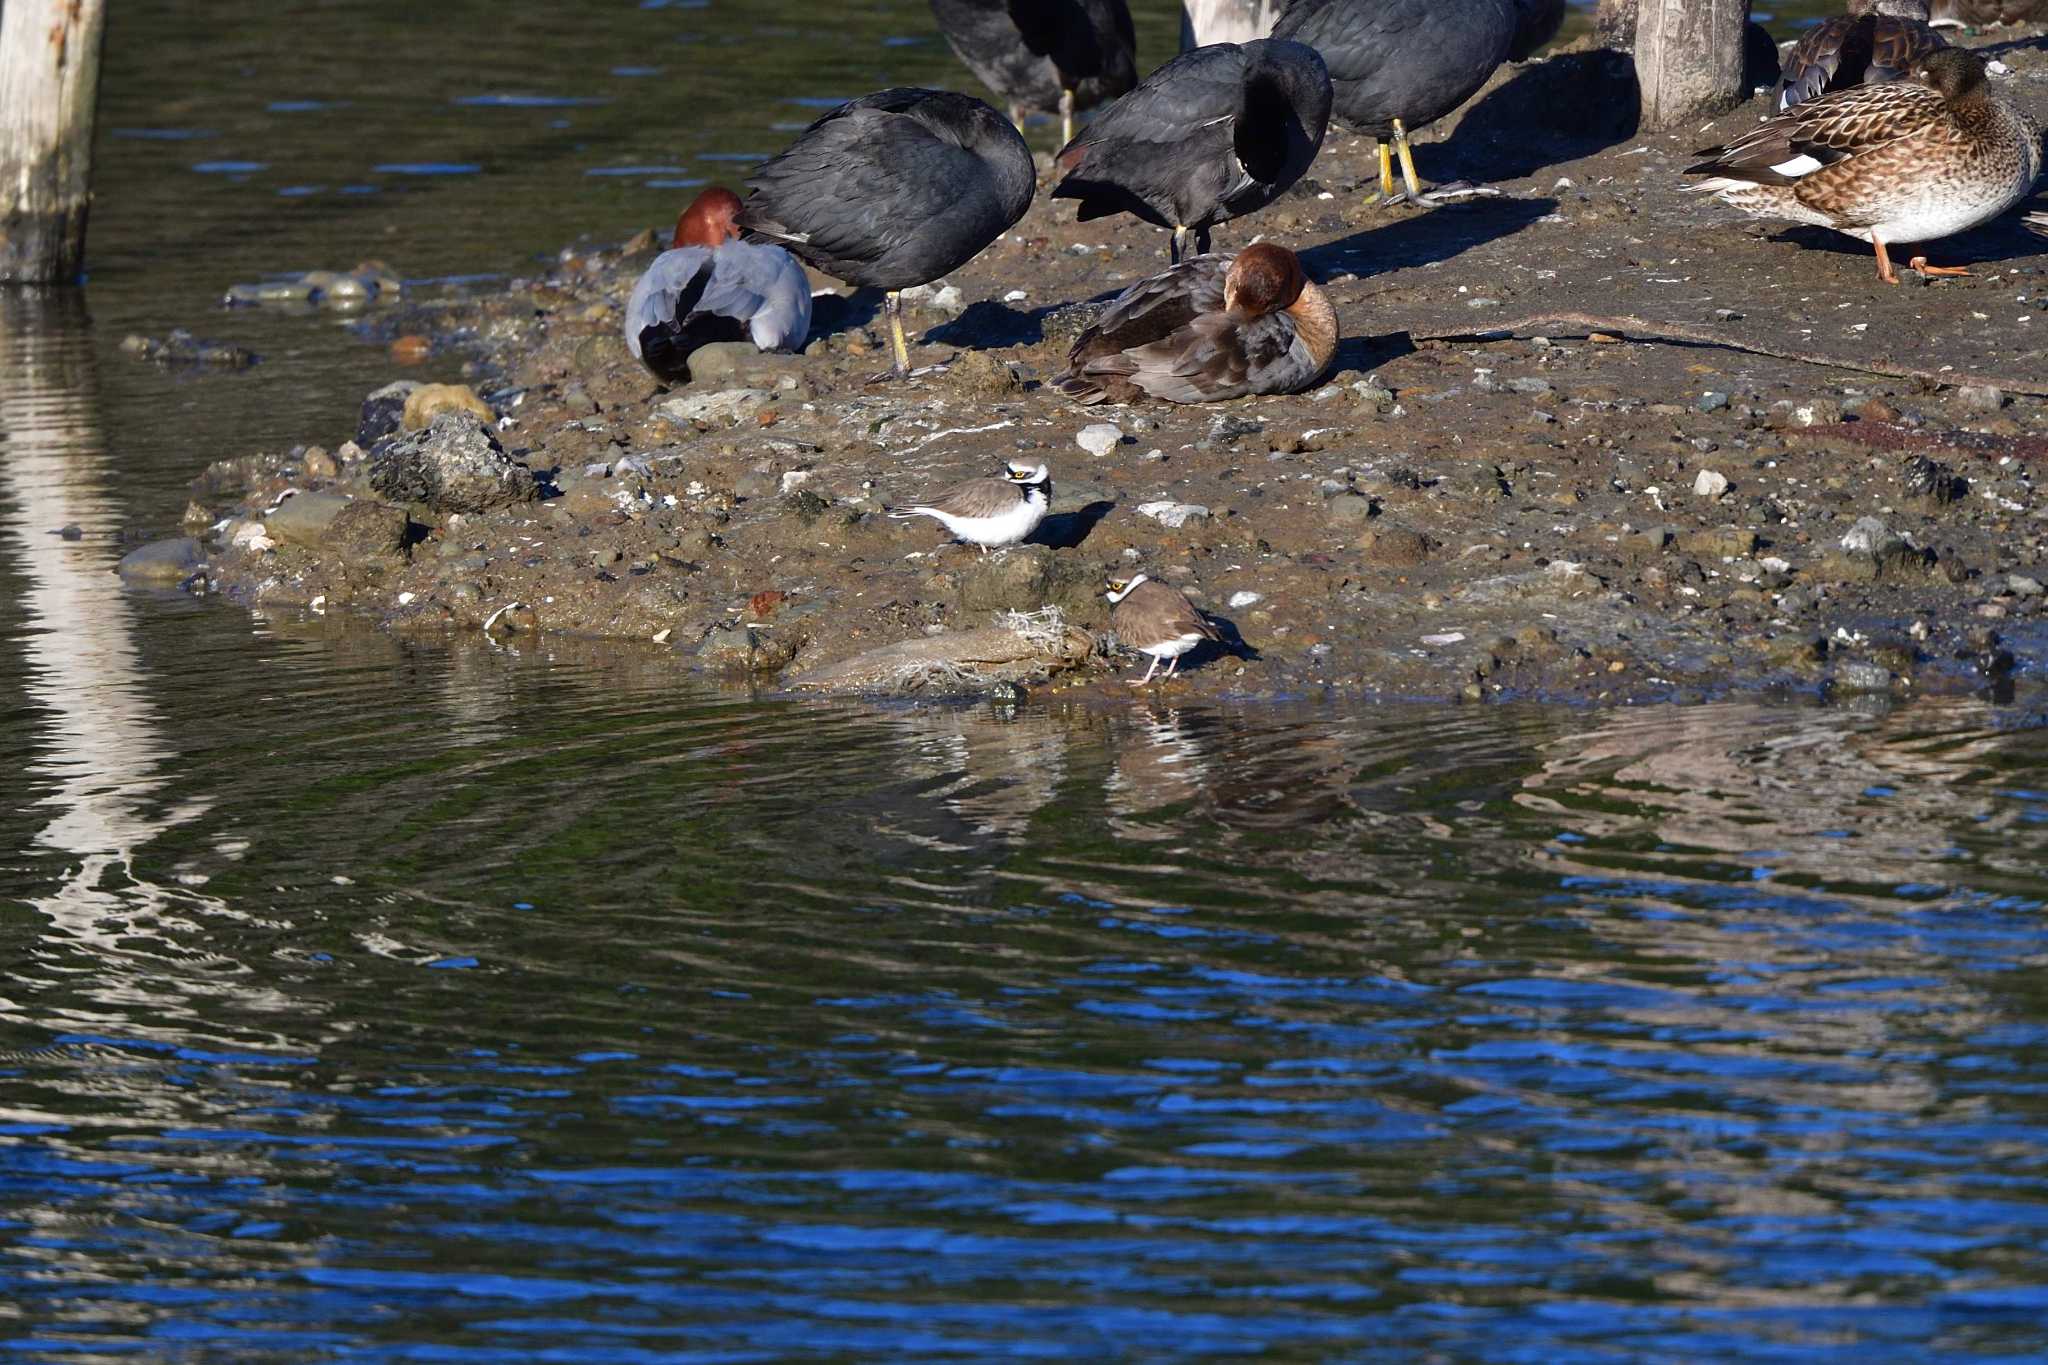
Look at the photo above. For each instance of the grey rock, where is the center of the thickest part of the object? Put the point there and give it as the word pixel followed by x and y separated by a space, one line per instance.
pixel 1099 438
pixel 1350 509
pixel 162 561
pixel 1712 402
pixel 1869 536
pixel 2023 586
pixel 366 531
pixel 713 409
pixel 1861 675
pixel 720 361
pixel 304 519
pixel 1174 514
pixel 455 465
pixel 1711 483
pixel 1981 397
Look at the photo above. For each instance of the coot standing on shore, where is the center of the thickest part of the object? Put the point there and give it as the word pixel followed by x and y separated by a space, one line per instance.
pixel 1214 134
pixel 892 190
pixel 1051 56
pixel 710 286
pixel 1400 65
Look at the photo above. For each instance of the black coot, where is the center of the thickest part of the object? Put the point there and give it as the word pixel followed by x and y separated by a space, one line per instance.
pixel 892 190
pixel 1048 56
pixel 1215 134
pixel 1398 65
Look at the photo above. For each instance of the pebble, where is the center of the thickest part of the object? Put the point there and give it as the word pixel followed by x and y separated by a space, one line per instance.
pixel 1712 402
pixel 2024 586
pixel 455 465
pixel 1711 483
pixel 713 408
pixel 1981 397
pixel 1173 514
pixel 1246 599
pixel 1868 536
pixel 1099 438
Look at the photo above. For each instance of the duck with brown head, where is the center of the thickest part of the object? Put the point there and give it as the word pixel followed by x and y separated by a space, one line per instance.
pixel 1211 328
pixel 711 286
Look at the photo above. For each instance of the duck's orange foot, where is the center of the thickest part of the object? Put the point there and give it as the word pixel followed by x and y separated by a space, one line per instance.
pixel 1919 263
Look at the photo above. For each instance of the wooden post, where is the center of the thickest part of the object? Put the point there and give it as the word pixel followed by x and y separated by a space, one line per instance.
pixel 1614 24
pixel 1689 59
pixel 49 83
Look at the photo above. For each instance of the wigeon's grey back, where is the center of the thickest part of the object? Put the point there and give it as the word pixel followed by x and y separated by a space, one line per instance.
pixel 695 295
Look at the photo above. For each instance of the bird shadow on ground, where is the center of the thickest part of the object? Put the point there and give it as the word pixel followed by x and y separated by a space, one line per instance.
pixel 1567 107
pixel 1233 644
pixel 1364 354
pixel 1423 238
pixel 986 325
pixel 2005 238
pixel 1066 530
pixel 832 313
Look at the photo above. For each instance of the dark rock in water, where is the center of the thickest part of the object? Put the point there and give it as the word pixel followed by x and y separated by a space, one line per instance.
pixel 162 561
pixel 180 347
pixel 455 465
pixel 382 412
pixel 72 532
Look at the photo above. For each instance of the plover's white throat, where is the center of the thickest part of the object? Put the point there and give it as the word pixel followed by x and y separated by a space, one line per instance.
pixel 991 512
pixel 1157 620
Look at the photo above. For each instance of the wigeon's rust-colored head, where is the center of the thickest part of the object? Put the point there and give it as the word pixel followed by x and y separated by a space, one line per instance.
pixel 709 219
pixel 1263 279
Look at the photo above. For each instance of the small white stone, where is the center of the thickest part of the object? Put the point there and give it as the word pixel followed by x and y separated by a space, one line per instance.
pixel 1450 637
pixel 405 599
pixel 1711 483
pixel 795 479
pixel 1245 599
pixel 1173 514
pixel 1015 296
pixel 1099 438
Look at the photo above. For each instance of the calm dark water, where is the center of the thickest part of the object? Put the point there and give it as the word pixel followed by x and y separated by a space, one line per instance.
pixel 427 1001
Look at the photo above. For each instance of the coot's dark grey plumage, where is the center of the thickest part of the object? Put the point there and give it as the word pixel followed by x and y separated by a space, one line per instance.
pixel 1876 40
pixel 1051 56
pixel 1536 23
pixel 1212 135
pixel 1399 65
pixel 892 190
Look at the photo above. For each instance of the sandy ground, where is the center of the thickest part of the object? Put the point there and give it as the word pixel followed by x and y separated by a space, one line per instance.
pixel 1559 514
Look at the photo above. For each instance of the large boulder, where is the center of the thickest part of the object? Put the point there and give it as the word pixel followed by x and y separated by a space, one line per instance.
pixel 455 465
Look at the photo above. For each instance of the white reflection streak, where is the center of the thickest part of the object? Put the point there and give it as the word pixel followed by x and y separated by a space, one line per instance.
pixel 97 732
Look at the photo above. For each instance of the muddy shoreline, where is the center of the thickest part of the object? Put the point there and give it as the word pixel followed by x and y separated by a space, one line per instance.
pixel 1570 516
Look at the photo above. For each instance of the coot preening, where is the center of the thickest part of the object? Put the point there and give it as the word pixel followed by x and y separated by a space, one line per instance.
pixel 1212 135
pixel 1904 161
pixel 1876 40
pixel 1399 65
pixel 1210 328
pixel 892 190
pixel 1052 56
pixel 713 287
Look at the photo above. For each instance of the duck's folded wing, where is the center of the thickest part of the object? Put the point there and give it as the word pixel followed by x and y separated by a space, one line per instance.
pixel 1201 362
pixel 673 287
pixel 1156 308
pixel 1823 131
pixel 764 287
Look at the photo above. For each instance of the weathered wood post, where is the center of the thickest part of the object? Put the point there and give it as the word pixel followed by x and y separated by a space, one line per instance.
pixel 1689 59
pixel 49 83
